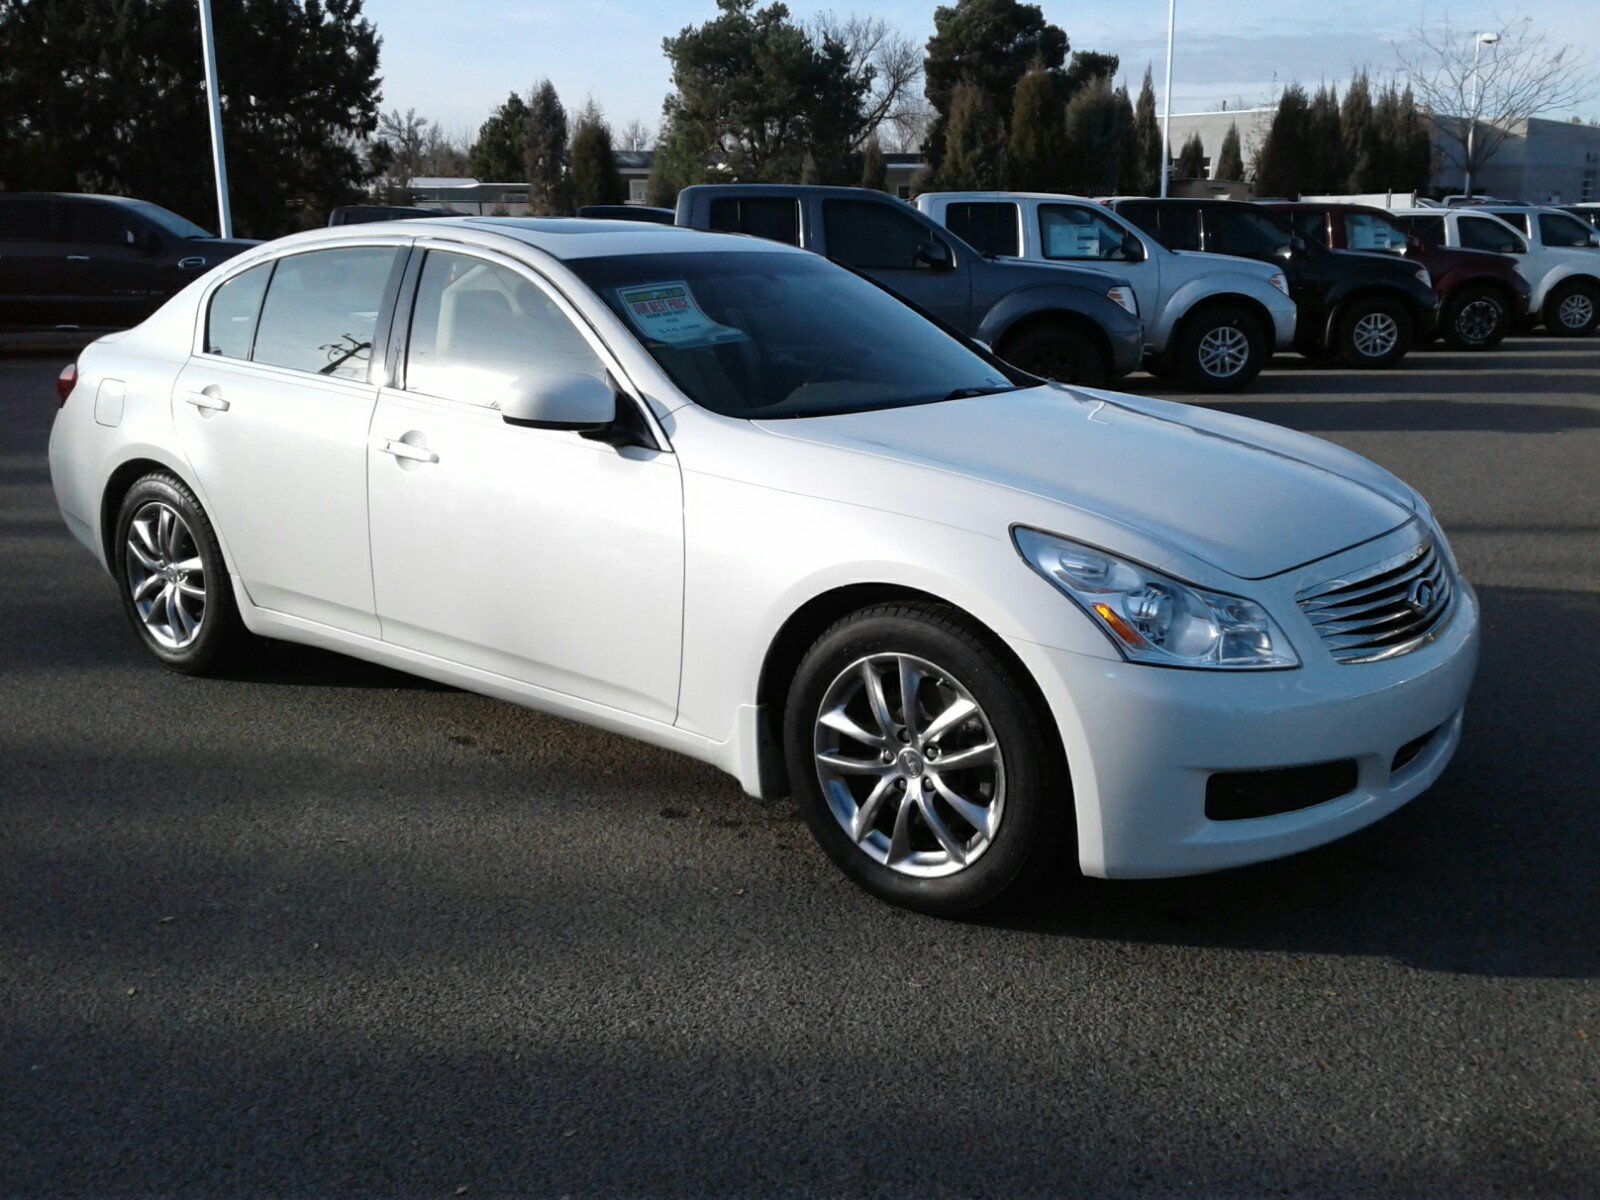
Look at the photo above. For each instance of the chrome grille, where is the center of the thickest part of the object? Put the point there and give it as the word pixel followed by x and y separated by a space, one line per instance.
pixel 1389 608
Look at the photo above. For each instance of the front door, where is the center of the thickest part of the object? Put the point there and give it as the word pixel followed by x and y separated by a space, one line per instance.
pixel 273 415
pixel 537 555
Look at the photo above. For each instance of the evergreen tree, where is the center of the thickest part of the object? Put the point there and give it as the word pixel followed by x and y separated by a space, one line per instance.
pixel 1280 164
pixel 682 157
pixel 874 171
pixel 1088 65
pixel 1037 149
pixel 500 153
pixel 1191 162
pixel 1097 138
pixel 973 159
pixel 1359 136
pixel 544 151
pixel 1141 174
pixel 594 178
pixel 1230 159
pixel 1324 169
pixel 1413 145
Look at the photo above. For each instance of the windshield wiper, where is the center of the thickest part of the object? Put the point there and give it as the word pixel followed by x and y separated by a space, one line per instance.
pixel 966 393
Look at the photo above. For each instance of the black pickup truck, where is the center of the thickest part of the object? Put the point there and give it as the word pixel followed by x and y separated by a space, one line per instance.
pixel 1369 309
pixel 1064 323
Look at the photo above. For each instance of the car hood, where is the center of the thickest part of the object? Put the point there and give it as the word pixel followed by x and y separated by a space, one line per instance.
pixel 1021 273
pixel 1248 498
pixel 1228 262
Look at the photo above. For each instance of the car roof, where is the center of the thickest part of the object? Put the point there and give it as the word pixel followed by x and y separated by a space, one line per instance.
pixel 94 196
pixel 1001 196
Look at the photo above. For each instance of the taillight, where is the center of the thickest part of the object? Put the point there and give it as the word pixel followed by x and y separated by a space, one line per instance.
pixel 66 381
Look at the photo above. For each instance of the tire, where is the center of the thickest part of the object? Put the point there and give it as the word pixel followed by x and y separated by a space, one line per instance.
pixel 1058 352
pixel 1221 349
pixel 1373 333
pixel 1016 795
pixel 1474 318
pixel 165 549
pixel 1572 309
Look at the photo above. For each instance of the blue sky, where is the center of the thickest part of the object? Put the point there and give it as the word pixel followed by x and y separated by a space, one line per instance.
pixel 453 60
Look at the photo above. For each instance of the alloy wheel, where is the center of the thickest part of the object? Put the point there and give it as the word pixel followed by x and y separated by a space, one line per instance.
pixel 166 575
pixel 909 765
pixel 1576 311
pixel 1477 320
pixel 1375 335
pixel 1224 351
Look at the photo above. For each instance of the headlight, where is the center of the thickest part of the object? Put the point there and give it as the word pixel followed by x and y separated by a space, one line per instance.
pixel 1424 278
pixel 1124 297
pixel 1422 508
pixel 1153 618
pixel 1280 281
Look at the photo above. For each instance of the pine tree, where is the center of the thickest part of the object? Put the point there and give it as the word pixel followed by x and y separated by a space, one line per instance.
pixel 874 171
pixel 1037 149
pixel 544 149
pixel 500 153
pixel 1141 174
pixel 974 158
pixel 1359 136
pixel 1414 145
pixel 1324 169
pixel 594 178
pixel 1191 162
pixel 1280 164
pixel 1097 137
pixel 1230 159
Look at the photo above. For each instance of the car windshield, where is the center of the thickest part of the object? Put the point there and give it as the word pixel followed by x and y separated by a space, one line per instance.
pixel 759 335
pixel 168 221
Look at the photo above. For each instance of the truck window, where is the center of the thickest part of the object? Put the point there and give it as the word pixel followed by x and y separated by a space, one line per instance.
pixel 989 227
pixel 1428 230
pixel 1370 231
pixel 25 220
pixel 1480 233
pixel 1313 226
pixel 772 217
pixel 873 237
pixel 1075 231
pixel 1517 220
pixel 1244 233
pixel 1558 230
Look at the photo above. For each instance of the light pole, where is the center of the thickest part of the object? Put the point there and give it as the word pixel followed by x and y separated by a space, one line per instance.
pixel 219 162
pixel 1166 102
pixel 1482 40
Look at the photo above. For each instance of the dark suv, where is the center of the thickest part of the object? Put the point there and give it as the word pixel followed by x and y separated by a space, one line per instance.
pixel 1367 308
pixel 96 262
pixel 1067 323
pixel 1481 295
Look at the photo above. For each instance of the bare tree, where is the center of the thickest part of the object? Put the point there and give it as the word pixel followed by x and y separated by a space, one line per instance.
pixel 635 135
pixel 890 62
pixel 1479 87
pixel 404 135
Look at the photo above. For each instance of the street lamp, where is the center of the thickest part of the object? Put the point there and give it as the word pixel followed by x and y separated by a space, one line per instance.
pixel 208 49
pixel 1166 102
pixel 1483 39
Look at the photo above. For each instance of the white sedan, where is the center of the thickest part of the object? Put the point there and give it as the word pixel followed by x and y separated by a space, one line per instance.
pixel 726 497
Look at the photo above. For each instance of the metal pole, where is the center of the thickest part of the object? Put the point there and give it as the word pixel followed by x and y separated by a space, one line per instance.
pixel 1166 101
pixel 219 162
pixel 1472 116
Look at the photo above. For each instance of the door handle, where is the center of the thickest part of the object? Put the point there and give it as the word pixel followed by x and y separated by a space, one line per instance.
pixel 406 450
pixel 77 258
pixel 205 400
pixel 193 262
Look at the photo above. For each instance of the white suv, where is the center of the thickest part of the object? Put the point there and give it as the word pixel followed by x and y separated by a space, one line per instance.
pixel 1554 251
pixel 1211 318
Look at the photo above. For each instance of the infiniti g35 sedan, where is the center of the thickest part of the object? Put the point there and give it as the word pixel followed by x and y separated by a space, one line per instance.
pixel 731 499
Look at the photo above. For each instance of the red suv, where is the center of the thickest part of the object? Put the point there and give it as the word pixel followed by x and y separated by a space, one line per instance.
pixel 1481 295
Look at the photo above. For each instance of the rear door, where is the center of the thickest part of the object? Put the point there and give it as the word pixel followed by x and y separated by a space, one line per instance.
pixel 30 261
pixel 883 240
pixel 115 276
pixel 273 412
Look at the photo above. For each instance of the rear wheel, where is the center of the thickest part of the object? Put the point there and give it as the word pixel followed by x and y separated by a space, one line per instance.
pixel 1572 309
pixel 1374 333
pixel 1474 319
pixel 919 758
pixel 1058 352
pixel 1221 349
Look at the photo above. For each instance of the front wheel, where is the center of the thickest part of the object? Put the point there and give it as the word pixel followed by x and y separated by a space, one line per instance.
pixel 1474 319
pixel 1221 349
pixel 1058 352
pixel 1572 309
pixel 919 759
pixel 1374 333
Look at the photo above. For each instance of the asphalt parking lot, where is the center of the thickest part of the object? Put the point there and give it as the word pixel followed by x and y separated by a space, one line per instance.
pixel 325 928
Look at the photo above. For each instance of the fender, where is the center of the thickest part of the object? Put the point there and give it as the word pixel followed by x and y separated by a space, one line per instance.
pixel 1220 287
pixel 1069 298
pixel 1559 274
pixel 1343 297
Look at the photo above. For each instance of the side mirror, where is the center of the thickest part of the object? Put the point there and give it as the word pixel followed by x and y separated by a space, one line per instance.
pixel 934 254
pixel 559 400
pixel 1132 248
pixel 1594 239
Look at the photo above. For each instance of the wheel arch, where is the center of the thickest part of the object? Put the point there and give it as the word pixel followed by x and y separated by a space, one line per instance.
pixel 1058 318
pixel 1373 291
pixel 142 461
pixel 1249 303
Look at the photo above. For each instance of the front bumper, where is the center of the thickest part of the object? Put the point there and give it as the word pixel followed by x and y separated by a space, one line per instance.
pixel 1142 743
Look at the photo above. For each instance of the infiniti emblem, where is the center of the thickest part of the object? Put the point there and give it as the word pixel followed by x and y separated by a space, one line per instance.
pixel 911 762
pixel 1420 598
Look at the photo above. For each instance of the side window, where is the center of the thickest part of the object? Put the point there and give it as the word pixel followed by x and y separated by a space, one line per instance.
pixel 1429 230
pixel 770 217
pixel 1477 233
pixel 1178 226
pixel 322 309
pixel 989 227
pixel 1075 231
pixel 1244 233
pixel 99 224
pixel 1558 230
pixel 1313 226
pixel 1368 231
pixel 25 220
pixel 1517 220
pixel 476 327
pixel 235 308
pixel 872 237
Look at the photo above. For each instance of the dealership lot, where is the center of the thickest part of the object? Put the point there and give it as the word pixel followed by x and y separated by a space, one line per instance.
pixel 323 926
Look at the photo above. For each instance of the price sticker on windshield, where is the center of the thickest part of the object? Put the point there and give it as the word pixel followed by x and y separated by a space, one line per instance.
pixel 667 312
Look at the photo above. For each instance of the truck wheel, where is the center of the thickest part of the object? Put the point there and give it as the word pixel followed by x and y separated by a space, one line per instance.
pixel 1474 319
pixel 1572 309
pixel 1058 352
pixel 1221 350
pixel 1374 333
